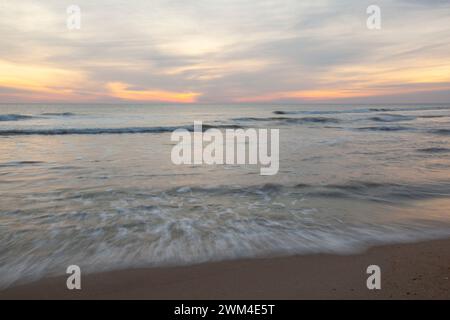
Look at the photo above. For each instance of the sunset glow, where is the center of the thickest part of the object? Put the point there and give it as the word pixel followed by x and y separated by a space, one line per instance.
pixel 205 53
pixel 122 91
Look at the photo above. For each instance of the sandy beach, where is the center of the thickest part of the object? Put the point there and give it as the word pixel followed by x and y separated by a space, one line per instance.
pixel 225 150
pixel 409 271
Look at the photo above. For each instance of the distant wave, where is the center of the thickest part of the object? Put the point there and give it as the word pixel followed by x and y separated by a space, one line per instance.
pixel 332 111
pixel 314 120
pixel 59 114
pixel 18 117
pixel 431 116
pixel 14 117
pixel 362 110
pixel 288 120
pixel 283 112
pixel 384 128
pixel 434 150
pixel 391 118
pixel 94 131
pixel 19 163
pixel 258 119
pixel 444 132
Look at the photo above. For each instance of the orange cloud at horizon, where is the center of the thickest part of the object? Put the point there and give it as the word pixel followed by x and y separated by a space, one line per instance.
pixel 305 95
pixel 35 79
pixel 39 83
pixel 121 90
pixel 32 83
pixel 333 94
pixel 369 81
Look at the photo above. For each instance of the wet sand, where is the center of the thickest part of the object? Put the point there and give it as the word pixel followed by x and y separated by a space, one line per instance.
pixel 408 271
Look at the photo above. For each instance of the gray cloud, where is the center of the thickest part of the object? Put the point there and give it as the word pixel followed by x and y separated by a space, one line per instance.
pixel 227 49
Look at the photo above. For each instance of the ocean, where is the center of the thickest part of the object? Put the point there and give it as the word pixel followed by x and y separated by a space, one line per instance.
pixel 94 185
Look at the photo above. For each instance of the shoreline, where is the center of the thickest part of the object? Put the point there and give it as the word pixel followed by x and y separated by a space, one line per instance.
pixel 408 271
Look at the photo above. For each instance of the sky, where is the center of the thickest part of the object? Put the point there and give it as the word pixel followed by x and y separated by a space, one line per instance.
pixel 225 51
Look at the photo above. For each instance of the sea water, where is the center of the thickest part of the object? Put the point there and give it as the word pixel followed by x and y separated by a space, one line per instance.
pixel 94 185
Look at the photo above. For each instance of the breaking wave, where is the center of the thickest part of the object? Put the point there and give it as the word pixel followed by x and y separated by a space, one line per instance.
pixel 384 128
pixel 434 150
pixel 444 132
pixel 14 117
pixel 362 110
pixel 287 120
pixel 391 118
pixel 59 114
pixel 95 131
pixel 366 190
pixel 181 226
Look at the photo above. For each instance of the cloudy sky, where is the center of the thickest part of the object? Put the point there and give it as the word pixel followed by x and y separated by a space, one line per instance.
pixel 225 51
